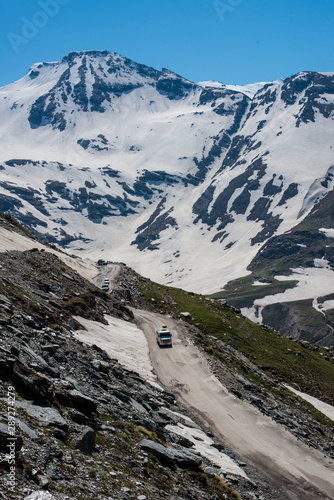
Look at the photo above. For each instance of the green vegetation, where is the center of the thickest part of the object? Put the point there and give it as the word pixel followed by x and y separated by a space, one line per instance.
pixel 273 353
pixel 242 292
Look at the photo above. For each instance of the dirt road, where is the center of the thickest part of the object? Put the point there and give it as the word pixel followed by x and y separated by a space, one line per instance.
pixel 298 471
pixel 110 272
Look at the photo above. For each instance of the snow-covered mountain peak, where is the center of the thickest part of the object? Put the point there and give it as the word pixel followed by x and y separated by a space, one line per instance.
pixel 89 82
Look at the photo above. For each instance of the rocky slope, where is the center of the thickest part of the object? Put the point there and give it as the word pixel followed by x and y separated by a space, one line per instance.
pixel 90 428
pixel 86 426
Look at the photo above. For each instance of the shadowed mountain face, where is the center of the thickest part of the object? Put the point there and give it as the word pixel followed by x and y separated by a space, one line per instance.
pixel 185 182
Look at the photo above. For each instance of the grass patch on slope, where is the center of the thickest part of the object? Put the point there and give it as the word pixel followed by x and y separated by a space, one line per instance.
pixel 242 292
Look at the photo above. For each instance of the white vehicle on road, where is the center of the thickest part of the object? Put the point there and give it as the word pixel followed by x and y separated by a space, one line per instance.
pixel 164 336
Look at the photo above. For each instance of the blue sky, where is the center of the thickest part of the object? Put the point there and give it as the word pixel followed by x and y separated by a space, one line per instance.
pixel 233 41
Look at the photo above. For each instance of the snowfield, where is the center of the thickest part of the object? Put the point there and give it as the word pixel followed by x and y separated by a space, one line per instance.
pixel 325 408
pixel 10 240
pixel 122 340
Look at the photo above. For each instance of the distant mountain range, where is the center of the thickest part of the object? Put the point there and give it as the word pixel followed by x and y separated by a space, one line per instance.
pixel 193 184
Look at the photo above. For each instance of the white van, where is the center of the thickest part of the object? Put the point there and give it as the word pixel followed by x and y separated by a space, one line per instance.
pixel 164 337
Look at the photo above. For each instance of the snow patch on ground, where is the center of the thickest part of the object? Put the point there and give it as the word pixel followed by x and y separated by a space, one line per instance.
pixel 328 232
pixel 325 306
pixel 325 408
pixel 122 341
pixel 322 263
pixel 203 445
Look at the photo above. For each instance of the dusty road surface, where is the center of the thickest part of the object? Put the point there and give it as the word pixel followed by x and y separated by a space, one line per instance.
pixel 296 470
pixel 110 272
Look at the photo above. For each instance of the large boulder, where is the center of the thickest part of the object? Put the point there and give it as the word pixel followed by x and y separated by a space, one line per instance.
pixel 46 415
pixel 82 402
pixel 30 382
pixel 172 456
pixel 85 441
